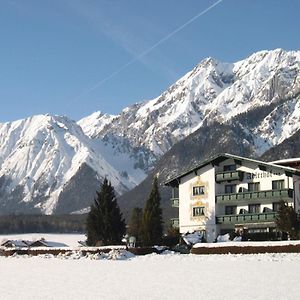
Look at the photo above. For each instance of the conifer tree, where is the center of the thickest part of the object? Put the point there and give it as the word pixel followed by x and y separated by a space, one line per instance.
pixel 287 220
pixel 135 223
pixel 152 224
pixel 105 224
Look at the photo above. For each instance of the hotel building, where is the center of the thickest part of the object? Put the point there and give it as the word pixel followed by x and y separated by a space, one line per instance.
pixel 229 192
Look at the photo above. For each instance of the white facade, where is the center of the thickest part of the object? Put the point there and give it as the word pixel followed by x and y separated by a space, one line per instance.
pixel 230 192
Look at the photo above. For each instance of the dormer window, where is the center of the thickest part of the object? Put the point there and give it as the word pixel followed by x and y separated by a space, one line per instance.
pixel 228 168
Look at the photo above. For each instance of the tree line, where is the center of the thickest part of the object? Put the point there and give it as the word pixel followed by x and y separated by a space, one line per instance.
pixel 106 225
pixel 42 223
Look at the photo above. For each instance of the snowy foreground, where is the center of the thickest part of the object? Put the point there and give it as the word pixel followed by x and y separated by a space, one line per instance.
pixel 120 275
pixel 167 276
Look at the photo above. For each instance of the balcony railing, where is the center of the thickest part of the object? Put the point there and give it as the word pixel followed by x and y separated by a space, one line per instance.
pixel 248 196
pixel 229 176
pixel 246 218
pixel 175 222
pixel 175 202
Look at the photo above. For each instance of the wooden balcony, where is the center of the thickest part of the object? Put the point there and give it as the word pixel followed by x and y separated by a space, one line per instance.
pixel 246 218
pixel 229 176
pixel 257 195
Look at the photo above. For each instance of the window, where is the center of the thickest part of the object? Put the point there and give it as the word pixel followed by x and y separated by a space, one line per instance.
pixel 242 189
pixel 276 206
pixel 230 188
pixel 175 192
pixel 254 208
pixel 267 209
pixel 242 211
pixel 228 168
pixel 230 210
pixel 198 211
pixel 277 184
pixel 198 190
pixel 257 230
pixel 253 186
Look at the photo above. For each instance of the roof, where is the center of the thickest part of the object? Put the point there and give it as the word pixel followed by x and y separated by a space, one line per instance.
pixel 15 243
pixel 216 159
pixel 44 243
pixel 288 160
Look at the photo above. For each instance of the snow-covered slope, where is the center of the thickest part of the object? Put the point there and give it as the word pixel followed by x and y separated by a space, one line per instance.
pixel 94 123
pixel 50 163
pixel 41 154
pixel 212 91
pixel 282 123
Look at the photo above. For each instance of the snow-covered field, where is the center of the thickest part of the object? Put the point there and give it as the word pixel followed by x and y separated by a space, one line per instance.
pixel 165 276
pixel 69 239
pixel 169 276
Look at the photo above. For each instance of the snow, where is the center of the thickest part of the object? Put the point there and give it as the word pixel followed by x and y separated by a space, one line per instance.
pixel 119 274
pixel 192 238
pixel 43 152
pixel 168 276
pixel 69 239
pixel 280 124
pixel 218 91
pixel 223 238
pixel 284 161
pixel 93 124
pixel 227 243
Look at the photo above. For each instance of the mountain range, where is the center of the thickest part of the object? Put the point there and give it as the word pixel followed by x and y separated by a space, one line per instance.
pixel 51 164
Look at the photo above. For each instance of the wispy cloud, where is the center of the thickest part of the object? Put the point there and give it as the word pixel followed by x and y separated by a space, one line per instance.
pixel 129 41
pixel 134 37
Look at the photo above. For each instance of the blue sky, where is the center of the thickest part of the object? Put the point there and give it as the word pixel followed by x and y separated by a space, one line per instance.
pixel 54 51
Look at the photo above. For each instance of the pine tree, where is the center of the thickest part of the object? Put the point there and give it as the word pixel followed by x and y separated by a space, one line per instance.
pixel 105 224
pixel 152 224
pixel 287 220
pixel 135 223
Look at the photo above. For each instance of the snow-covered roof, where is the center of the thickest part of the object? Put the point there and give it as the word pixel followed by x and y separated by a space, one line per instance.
pixel 15 243
pixel 45 243
pixel 284 161
pixel 221 157
pixel 37 243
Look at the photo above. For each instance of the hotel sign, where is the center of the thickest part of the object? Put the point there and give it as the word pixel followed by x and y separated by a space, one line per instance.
pixel 257 175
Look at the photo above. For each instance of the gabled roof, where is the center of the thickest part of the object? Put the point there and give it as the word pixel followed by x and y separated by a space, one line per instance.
pixel 15 243
pixel 44 243
pixel 216 159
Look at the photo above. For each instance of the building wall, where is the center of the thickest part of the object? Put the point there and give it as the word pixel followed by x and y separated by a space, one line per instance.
pixel 206 177
pixel 187 222
pixel 296 184
pixel 252 174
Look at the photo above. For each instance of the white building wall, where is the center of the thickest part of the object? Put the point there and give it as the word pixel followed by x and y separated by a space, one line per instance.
pixel 254 174
pixel 187 222
pixel 206 177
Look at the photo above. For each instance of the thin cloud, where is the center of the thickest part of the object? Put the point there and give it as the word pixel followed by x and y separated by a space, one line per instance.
pixel 114 32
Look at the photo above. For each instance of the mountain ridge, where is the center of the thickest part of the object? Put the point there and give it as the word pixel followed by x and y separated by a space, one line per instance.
pixel 51 164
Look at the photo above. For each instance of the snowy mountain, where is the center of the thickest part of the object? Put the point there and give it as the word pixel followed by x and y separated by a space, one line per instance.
pixel 39 156
pixel 51 164
pixel 212 91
